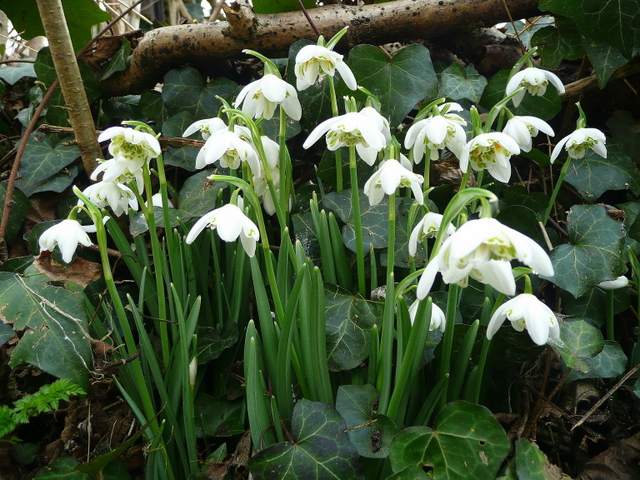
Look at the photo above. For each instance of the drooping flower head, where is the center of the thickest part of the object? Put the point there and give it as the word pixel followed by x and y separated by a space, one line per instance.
pixel 230 222
pixel 524 128
pixel 229 149
pixel 352 129
pixel 427 227
pixel 313 61
pixel 66 235
pixel 206 127
pixel 578 142
pixel 131 144
pixel 535 81
pixel 389 176
pixel 261 98
pixel 438 318
pixel 490 151
pixel 434 133
pixel 482 249
pixel 115 195
pixel 121 170
pixel 526 312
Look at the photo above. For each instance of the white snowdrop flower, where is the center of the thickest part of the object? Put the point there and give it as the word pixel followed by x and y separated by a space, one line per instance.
pixel 425 228
pixel 381 122
pixel 229 149
pixel 121 170
pixel 438 318
pixel 351 129
pixel 578 142
pixel 115 195
pixel 434 133
pixel 524 128
pixel 535 81
pixel 615 284
pixel 482 249
pixel 261 187
pixel 490 151
pixel 66 235
pixel 230 222
pixel 271 151
pixel 206 127
pixel 260 98
pixel 131 144
pixel 313 61
pixel 156 201
pixel 389 176
pixel 526 312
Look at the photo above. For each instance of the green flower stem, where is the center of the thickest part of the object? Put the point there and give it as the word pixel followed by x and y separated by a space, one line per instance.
pixel 335 113
pixel 610 315
pixel 556 189
pixel 286 170
pixel 391 233
pixel 461 362
pixel 447 340
pixel 385 364
pixel 411 360
pixel 374 354
pixel 357 220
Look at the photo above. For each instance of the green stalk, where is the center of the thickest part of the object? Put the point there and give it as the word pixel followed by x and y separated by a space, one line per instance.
pixel 556 190
pixel 385 365
pixel 357 220
pixel 447 340
pixel 610 315
pixel 286 170
pixel 484 352
pixel 461 362
pixel 338 152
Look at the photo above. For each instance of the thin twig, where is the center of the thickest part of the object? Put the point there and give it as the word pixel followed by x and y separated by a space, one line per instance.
pixel 605 397
pixel 308 17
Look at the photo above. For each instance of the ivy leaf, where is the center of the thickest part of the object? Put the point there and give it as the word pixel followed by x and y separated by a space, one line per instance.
pixel 55 324
pixel 349 321
pixel 609 363
pixel 81 15
pixel 625 129
pixel 211 343
pixel 369 432
pixel 44 156
pixel 117 63
pixel 19 209
pixel 559 42
pixel 11 74
pixel 466 442
pixel 399 82
pixel 218 417
pixel 594 175
pixel 605 60
pixel 458 82
pixel 185 90
pixel 613 22
pixel 579 341
pixel 63 468
pixel 532 464
pixel 320 450
pixel 595 251
pixel 183 157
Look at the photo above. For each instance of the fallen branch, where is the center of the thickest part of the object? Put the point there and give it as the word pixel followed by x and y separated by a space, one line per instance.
pixel 165 48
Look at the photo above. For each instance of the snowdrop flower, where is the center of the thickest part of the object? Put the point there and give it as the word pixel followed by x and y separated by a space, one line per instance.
pixel 526 311
pixel 66 235
pixel 388 178
pixel 381 123
pixel 438 318
pixel 580 141
pixel 261 187
pixel 230 149
pixel 427 227
pixel 231 223
pixel 121 170
pixel 434 133
pixel 260 98
pixel 482 249
pixel 523 129
pixel 156 201
pixel 313 61
pixel 619 282
pixel 112 194
pixel 490 151
pixel 271 151
pixel 131 144
pixel 206 127
pixel 352 129
pixel 535 81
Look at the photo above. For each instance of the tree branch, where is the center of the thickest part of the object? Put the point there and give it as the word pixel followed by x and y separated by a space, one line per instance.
pixel 169 47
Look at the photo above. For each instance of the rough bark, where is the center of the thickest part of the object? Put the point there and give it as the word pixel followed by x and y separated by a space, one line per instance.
pixel 170 47
pixel 75 97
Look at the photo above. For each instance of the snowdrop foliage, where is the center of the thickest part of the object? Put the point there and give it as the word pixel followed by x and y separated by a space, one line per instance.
pixel 482 249
pixel 526 312
pixel 388 178
pixel 230 222
pixel 66 235
pixel 524 129
pixel 578 142
pixel 535 81
pixel 313 61
pixel 260 98
pixel 490 151
pixel 349 130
